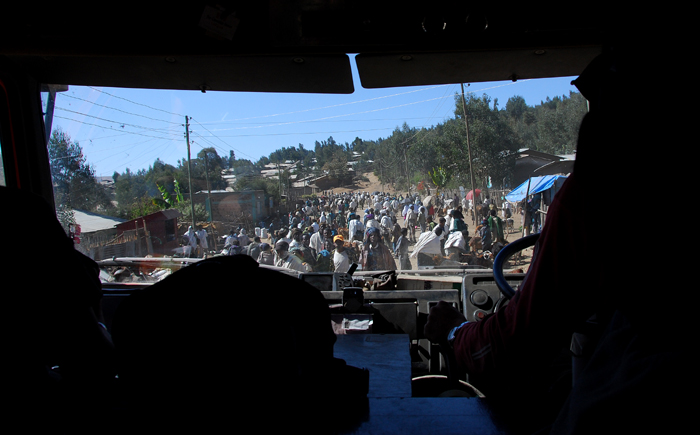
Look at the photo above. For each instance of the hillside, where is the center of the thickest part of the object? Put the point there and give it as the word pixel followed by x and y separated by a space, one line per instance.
pixel 368 186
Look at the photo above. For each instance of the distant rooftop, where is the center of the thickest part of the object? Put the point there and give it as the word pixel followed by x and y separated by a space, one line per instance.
pixel 91 222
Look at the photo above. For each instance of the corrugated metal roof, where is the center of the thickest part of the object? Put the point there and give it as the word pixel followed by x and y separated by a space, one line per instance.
pixel 91 222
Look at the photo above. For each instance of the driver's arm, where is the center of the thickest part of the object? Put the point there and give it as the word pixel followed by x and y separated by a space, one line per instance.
pixel 442 319
pixel 540 318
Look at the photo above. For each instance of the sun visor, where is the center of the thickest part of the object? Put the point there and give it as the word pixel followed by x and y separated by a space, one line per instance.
pixel 330 74
pixel 415 69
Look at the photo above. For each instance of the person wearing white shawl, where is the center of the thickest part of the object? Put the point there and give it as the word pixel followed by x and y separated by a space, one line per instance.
pixel 428 243
pixel 373 223
pixel 448 218
pixel 455 240
pixel 243 237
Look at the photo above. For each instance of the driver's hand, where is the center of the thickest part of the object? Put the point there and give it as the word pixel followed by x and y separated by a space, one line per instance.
pixel 442 318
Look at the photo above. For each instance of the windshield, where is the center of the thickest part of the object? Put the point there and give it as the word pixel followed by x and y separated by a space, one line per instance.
pixel 141 173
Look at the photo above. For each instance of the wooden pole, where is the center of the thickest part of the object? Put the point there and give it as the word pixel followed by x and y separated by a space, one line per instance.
pixel 469 150
pixel 189 168
pixel 206 174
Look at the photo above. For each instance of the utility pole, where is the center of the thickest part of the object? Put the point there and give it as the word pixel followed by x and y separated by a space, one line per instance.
pixel 189 168
pixel 50 105
pixel 381 172
pixel 279 182
pixel 206 174
pixel 405 158
pixel 469 149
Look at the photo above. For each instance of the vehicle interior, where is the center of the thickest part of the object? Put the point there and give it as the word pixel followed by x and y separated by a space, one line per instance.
pixel 304 47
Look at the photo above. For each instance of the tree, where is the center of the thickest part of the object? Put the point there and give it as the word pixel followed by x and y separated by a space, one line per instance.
pixel 308 164
pixel 206 172
pixel 185 209
pixel 260 164
pixel 395 164
pixel 75 185
pixel 270 187
pixel 245 168
pixel 516 107
pixel 142 207
pixel 440 178
pixel 131 189
pixel 424 153
pixel 493 142
pixel 231 159
pixel 210 167
pixel 167 200
pixel 337 167
pixel 326 151
pixel 558 120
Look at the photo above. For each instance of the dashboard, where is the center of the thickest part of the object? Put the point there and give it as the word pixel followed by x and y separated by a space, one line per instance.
pixel 481 296
pixel 328 281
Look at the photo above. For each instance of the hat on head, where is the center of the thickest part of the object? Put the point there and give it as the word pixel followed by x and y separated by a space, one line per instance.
pixel 338 237
pixel 372 230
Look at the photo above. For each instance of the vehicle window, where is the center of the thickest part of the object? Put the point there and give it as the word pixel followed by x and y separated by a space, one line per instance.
pixel 134 169
pixel 3 181
pixel 2 170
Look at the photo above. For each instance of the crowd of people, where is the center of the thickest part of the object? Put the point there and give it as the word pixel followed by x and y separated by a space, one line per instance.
pixel 331 232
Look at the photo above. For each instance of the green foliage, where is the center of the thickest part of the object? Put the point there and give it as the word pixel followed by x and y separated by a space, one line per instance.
pixel 141 207
pixel 167 200
pixel 440 177
pixel 327 150
pixel 337 167
pixel 270 187
pixel 65 216
pixel 75 185
pixel 244 168
pixel 394 163
pixel 130 188
pixel 516 108
pixel 161 181
pixel 206 172
pixel 208 167
pixel 185 209
pixel 492 141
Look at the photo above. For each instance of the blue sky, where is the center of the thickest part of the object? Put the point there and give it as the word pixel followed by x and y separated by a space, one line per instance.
pixel 131 128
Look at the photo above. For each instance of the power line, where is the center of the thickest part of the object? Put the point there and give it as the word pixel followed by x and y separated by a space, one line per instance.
pixel 336 116
pixel 239 151
pixel 339 105
pixel 142 155
pixel 356 113
pixel 311 132
pixel 321 121
pixel 134 102
pixel 216 136
pixel 119 110
pixel 108 127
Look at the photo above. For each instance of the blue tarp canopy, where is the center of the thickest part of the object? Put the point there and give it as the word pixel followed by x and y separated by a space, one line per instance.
pixel 537 184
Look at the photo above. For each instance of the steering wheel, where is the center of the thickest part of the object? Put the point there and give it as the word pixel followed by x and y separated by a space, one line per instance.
pixel 503 256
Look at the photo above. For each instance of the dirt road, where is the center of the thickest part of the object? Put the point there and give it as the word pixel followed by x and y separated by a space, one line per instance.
pixel 375 185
